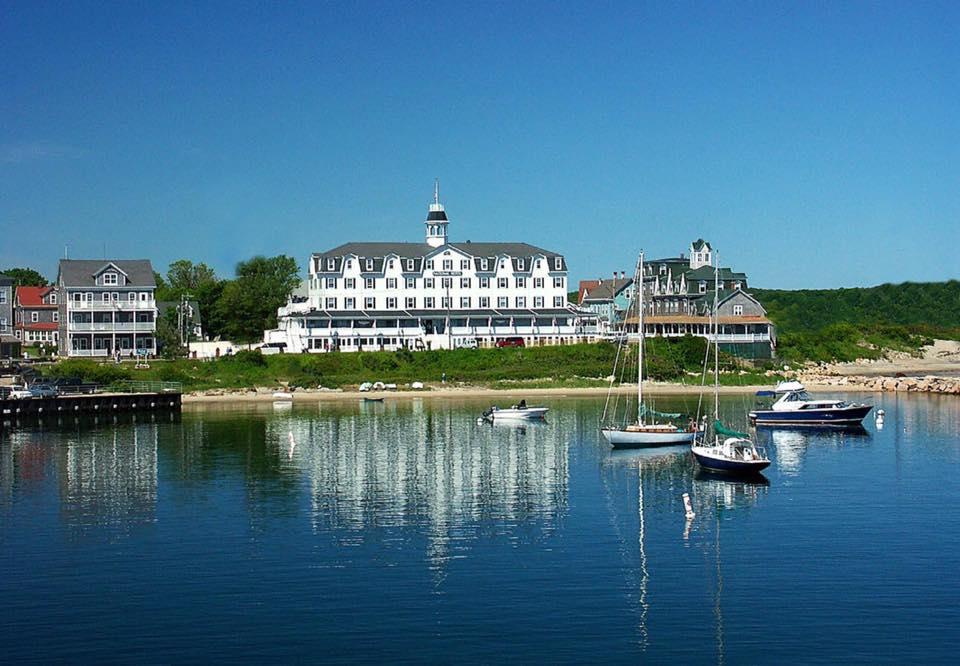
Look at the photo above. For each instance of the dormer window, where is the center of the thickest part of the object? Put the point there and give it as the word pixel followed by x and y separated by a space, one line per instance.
pixel 484 264
pixel 390 263
pixel 663 269
pixel 537 264
pixel 369 264
pixel 109 278
pixel 703 286
pixel 53 299
pixel 737 285
pixel 331 264
pixel 349 263
pixel 558 263
pixel 409 264
pixel 520 264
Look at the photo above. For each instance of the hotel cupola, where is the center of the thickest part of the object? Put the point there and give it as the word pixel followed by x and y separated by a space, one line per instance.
pixel 436 220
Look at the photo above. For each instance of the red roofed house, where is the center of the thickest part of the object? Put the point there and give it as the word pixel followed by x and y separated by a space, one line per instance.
pixel 36 315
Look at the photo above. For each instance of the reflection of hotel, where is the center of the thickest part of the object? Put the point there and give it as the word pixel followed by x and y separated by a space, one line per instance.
pixel 437 468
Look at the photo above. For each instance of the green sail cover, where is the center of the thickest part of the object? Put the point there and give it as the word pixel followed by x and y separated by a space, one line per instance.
pixel 726 432
pixel 646 411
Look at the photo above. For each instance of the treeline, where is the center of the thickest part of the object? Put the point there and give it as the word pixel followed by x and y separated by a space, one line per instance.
pixel 846 324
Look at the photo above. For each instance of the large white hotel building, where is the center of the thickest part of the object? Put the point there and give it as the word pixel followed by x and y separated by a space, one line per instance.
pixel 431 295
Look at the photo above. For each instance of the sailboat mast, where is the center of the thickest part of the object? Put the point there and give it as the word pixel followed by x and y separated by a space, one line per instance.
pixel 638 289
pixel 716 338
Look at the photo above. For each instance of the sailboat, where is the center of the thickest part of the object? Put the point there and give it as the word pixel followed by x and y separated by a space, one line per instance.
pixel 645 431
pixel 727 450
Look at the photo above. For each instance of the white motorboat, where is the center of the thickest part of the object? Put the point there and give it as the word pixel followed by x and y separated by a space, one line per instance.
pixel 515 413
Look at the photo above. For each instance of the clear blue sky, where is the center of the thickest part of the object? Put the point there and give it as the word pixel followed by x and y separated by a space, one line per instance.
pixel 816 145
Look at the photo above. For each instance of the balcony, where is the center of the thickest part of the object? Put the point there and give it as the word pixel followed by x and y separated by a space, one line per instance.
pixel 112 327
pixel 100 306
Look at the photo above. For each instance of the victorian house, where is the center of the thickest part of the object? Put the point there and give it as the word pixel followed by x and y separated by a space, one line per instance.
pixel 106 307
pixel 37 315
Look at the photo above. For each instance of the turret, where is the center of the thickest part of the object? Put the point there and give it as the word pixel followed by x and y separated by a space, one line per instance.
pixel 436 220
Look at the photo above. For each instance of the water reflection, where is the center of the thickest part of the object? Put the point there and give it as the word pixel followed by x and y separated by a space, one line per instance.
pixel 790 446
pixel 387 465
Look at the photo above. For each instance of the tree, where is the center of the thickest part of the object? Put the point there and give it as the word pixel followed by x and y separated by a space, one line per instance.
pixel 25 277
pixel 199 283
pixel 168 337
pixel 184 276
pixel 248 305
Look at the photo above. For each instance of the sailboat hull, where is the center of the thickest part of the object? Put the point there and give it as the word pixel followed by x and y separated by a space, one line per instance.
pixel 717 462
pixel 637 439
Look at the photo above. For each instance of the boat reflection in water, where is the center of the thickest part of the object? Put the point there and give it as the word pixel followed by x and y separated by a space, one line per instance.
pixel 791 445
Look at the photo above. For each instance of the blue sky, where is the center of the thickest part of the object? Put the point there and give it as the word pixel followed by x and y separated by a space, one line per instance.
pixel 816 145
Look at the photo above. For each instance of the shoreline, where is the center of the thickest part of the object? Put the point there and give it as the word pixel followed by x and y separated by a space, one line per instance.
pixel 453 393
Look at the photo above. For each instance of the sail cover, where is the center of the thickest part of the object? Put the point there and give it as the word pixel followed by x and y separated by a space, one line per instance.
pixel 646 411
pixel 727 432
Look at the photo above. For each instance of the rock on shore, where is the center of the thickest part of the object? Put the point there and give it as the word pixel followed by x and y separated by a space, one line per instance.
pixel 927 384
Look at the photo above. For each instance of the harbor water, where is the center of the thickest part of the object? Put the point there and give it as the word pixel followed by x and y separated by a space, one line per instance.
pixel 405 531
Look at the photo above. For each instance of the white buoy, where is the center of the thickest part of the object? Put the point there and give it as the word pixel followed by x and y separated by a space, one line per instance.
pixel 688 506
pixel 881 413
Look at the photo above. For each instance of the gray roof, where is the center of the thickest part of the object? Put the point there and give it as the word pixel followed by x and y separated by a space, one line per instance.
pixel 607 289
pixel 417 251
pixel 82 272
pixel 5 281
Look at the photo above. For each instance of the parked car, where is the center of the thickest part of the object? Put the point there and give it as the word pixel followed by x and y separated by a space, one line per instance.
pixel 510 342
pixel 43 390
pixel 18 393
pixel 73 385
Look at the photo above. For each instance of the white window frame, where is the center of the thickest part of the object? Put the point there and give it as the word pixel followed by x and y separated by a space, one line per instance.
pixel 110 279
pixel 503 302
pixel 369 283
pixel 502 283
pixel 34 317
pixel 484 302
pixel 446 302
pixel 331 283
pixel 538 283
pixel 464 264
pixel 464 283
pixel 349 283
pixel 369 264
pixel 392 303
pixel 538 301
pixel 369 303
pixel 521 283
pixel 331 264
pixel 411 303
pixel 391 283
pixel 349 303
pixel 428 283
pixel 330 303
pixel 558 263
pixel 737 310
pixel 411 283
pixel 448 264
pixel 428 303
pixel 484 283
pixel 521 301
pixel 484 264
pixel 558 301
pixel 558 282
pixel 465 302
pixel 410 265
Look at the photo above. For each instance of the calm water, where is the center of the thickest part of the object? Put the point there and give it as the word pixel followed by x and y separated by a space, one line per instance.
pixel 406 532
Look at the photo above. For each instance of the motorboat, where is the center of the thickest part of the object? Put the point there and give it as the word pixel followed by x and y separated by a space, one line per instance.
pixel 515 413
pixel 793 406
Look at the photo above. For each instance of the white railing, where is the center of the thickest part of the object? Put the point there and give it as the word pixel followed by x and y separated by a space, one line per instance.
pixel 109 327
pixel 87 352
pixel 111 305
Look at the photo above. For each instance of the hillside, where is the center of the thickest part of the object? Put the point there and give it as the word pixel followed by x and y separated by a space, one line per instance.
pixel 844 324
pixel 935 304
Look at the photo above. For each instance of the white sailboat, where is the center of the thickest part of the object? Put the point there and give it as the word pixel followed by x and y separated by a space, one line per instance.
pixel 645 431
pixel 727 450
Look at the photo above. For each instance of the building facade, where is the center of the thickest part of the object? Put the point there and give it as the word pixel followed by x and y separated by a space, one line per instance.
pixel 431 295
pixel 609 299
pixel 106 306
pixel 678 296
pixel 9 345
pixel 37 315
